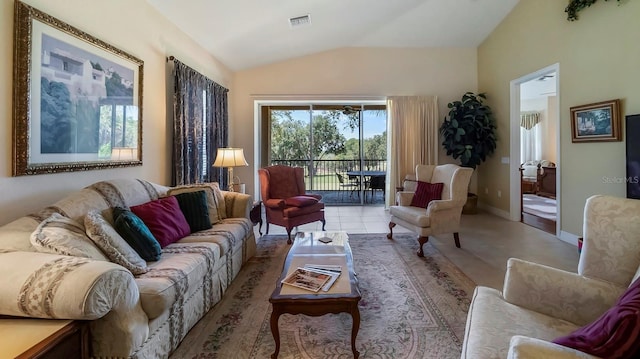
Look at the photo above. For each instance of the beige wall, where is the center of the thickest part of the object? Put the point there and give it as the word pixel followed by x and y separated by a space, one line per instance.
pixel 349 72
pixel 598 57
pixel 132 26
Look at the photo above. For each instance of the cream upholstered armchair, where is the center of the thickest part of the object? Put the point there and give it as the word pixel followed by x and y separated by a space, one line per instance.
pixel 539 304
pixel 441 215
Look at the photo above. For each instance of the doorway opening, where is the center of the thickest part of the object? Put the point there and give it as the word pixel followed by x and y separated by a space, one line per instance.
pixel 535 149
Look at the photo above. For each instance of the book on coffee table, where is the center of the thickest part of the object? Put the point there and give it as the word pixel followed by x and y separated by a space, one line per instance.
pixel 308 279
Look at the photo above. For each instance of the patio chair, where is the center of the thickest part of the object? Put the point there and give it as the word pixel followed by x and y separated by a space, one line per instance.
pixel 377 183
pixel 443 209
pixel 285 199
pixel 354 187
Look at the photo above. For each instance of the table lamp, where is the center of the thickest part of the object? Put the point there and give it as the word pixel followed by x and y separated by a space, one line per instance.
pixel 230 157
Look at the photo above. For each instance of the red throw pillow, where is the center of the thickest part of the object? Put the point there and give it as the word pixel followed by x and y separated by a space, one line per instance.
pixel 425 193
pixel 615 333
pixel 164 219
pixel 300 201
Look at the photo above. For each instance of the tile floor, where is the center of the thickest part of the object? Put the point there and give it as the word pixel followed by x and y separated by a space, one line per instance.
pixel 487 241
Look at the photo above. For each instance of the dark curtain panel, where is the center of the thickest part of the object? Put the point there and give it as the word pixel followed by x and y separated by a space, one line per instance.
pixel 199 128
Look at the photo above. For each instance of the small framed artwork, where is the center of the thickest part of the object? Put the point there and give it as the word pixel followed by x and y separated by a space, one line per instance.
pixel 77 99
pixel 596 122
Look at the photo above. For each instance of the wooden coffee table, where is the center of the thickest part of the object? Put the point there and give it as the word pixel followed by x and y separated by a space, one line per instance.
pixel 342 297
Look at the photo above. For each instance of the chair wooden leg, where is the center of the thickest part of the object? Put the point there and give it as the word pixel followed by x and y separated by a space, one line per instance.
pixel 390 234
pixel 267 231
pixel 289 236
pixel 456 238
pixel 323 223
pixel 421 241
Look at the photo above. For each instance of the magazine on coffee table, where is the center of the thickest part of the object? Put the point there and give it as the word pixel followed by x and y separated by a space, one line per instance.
pixel 308 279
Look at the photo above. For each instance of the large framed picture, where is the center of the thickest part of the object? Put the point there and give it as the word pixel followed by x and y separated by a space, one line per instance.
pixel 596 122
pixel 77 100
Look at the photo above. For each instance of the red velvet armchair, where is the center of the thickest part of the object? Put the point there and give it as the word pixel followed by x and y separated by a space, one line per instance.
pixel 285 201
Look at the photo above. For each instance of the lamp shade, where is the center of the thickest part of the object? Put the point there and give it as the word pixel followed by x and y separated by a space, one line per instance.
pixel 230 157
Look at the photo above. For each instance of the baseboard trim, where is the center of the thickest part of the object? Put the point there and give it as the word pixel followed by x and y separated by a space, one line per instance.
pixel 495 211
pixel 569 238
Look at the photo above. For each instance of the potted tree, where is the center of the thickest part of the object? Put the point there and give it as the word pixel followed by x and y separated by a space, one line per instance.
pixel 469 135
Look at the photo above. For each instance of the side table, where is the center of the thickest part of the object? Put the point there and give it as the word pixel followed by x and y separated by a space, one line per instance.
pixel 43 338
pixel 256 215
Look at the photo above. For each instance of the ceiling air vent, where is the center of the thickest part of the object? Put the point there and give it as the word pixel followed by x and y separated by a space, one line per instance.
pixel 300 21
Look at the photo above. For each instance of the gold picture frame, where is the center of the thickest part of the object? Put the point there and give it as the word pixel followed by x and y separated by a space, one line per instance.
pixel 77 101
pixel 596 122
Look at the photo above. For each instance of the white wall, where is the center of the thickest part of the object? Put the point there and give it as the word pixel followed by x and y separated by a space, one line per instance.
pixel 347 73
pixel 132 26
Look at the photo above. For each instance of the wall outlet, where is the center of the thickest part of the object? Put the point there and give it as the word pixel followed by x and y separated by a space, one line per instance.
pixel 499 194
pixel 486 190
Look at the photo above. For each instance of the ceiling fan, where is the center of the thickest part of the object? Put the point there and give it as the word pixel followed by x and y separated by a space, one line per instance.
pixel 349 110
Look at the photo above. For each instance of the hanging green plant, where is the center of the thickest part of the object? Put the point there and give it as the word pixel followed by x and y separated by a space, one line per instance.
pixel 575 6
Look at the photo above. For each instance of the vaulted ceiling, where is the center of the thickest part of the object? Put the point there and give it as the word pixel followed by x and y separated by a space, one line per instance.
pixel 249 33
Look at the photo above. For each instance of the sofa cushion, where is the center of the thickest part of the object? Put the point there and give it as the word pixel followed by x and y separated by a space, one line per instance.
pixel 194 207
pixel 228 234
pixel 61 235
pixel 102 233
pixel 177 275
pixel 615 333
pixel 164 219
pixel 425 193
pixel 136 234
pixel 300 201
pixel 215 199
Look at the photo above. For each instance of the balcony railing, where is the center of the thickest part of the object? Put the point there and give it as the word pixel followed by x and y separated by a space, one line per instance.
pixel 321 177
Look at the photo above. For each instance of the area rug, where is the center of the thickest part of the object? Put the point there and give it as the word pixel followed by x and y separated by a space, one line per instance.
pixel 411 307
pixel 540 206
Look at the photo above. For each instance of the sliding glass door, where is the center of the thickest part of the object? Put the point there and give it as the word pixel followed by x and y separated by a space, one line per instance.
pixel 341 146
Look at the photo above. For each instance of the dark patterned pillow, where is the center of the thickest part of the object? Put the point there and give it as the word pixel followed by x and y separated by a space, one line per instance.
pixel 137 234
pixel 195 209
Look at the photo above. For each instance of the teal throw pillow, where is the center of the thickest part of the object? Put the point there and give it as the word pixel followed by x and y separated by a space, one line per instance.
pixel 137 234
pixel 195 209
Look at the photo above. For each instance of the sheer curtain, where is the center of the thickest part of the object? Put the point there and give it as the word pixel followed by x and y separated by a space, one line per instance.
pixel 200 124
pixel 414 136
pixel 530 137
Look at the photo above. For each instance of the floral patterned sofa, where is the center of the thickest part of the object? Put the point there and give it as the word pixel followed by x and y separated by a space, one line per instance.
pixel 145 315
pixel 539 304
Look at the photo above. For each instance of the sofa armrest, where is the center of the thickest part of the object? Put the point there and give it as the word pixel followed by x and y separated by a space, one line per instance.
pixel 522 347
pixel 43 285
pixel 557 293
pixel 238 204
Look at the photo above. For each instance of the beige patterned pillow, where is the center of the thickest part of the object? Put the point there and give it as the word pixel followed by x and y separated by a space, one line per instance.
pixel 102 233
pixel 215 198
pixel 61 235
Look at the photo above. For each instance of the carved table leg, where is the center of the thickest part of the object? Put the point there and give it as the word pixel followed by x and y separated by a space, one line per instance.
pixel 275 316
pixel 355 315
